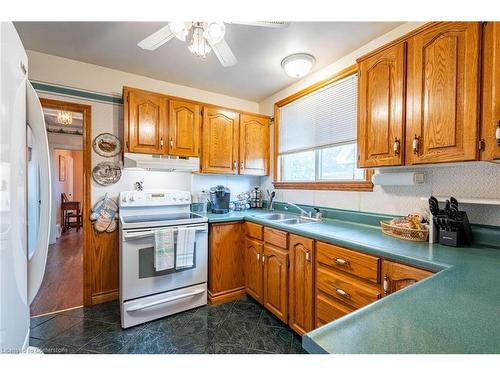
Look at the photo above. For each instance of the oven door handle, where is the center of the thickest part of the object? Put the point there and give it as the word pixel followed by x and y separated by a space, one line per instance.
pixel 148 233
pixel 165 300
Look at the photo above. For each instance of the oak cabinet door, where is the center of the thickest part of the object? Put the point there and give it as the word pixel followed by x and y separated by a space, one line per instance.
pixel 396 276
pixel 254 145
pixel 490 127
pixel 301 291
pixel 145 122
pixel 276 282
pixel 226 264
pixel 220 130
pixel 442 94
pixel 253 268
pixel 381 110
pixel 184 128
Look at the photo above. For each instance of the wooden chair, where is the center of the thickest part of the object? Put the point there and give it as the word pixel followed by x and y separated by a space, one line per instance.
pixel 71 215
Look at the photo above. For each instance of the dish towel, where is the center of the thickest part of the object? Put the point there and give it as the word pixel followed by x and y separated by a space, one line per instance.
pixel 185 247
pixel 164 249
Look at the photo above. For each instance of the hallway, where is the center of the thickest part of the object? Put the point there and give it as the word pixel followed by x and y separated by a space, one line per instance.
pixel 62 286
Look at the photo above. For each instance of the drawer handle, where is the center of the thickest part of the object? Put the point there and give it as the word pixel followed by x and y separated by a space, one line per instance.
pixel 308 256
pixel 342 262
pixel 342 293
pixel 258 257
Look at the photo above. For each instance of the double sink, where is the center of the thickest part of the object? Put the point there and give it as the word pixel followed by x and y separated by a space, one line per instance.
pixel 287 219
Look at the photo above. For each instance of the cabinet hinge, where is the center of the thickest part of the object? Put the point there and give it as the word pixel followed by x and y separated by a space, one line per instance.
pixel 481 145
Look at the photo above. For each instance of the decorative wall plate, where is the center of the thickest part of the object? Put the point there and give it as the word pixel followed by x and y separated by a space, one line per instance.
pixel 107 145
pixel 107 173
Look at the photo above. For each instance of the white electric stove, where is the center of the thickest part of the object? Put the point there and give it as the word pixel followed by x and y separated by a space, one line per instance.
pixel 147 294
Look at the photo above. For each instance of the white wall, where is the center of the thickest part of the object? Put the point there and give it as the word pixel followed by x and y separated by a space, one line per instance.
pixel 107 117
pixel 477 179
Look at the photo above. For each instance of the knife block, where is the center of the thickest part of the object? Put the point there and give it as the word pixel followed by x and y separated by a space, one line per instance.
pixel 461 235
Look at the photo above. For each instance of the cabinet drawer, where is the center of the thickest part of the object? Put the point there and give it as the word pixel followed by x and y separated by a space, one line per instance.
pixel 276 237
pixel 358 264
pixel 345 288
pixel 328 309
pixel 253 230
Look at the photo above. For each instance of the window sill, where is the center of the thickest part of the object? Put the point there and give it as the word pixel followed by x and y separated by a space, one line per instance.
pixel 326 185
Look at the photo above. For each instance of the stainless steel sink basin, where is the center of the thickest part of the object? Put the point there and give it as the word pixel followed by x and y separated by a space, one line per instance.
pixel 275 217
pixel 296 221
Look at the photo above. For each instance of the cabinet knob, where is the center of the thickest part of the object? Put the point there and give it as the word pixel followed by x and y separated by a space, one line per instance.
pixel 161 142
pixel 415 145
pixel 171 142
pixel 308 256
pixel 396 146
pixel 341 262
pixel 258 257
pixel 497 133
pixel 241 165
pixel 342 293
pixel 263 257
pixel 235 164
pixel 386 284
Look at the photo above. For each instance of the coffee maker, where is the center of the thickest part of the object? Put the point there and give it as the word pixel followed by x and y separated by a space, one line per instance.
pixel 219 199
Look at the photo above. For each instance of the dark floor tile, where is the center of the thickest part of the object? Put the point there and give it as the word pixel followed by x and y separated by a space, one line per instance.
pixel 194 338
pixel 268 319
pixel 82 333
pixel 214 315
pixel 50 347
pixel 297 345
pixel 113 339
pixel 272 339
pixel 108 312
pixel 148 342
pixel 54 327
pixel 169 323
pixel 34 322
pixel 234 332
pixel 217 348
pixel 84 351
pixel 256 351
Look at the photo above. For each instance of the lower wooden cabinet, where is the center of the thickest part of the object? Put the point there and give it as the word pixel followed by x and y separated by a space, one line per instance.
pixel 276 281
pixel 397 276
pixel 254 250
pixel 301 285
pixel 328 309
pixel 226 262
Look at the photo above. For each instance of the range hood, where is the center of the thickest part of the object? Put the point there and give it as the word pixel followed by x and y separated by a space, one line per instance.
pixel 160 163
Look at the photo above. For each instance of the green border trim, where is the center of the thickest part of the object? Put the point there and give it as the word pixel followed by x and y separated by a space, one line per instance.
pixel 78 93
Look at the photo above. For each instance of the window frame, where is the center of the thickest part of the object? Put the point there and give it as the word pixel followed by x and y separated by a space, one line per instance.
pixel 346 185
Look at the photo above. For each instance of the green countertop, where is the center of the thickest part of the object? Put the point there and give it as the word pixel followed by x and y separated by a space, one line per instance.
pixel 457 310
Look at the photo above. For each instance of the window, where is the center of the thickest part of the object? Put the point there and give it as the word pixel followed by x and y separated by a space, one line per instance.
pixel 315 133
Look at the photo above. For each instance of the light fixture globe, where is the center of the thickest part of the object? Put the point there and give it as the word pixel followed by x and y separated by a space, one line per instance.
pixel 298 64
pixel 214 32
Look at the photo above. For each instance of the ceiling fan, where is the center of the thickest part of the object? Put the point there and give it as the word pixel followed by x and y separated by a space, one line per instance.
pixel 202 37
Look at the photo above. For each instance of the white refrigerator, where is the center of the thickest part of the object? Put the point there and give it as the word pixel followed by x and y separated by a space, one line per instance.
pixel 25 198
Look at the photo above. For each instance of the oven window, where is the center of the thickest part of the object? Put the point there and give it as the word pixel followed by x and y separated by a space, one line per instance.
pixel 147 263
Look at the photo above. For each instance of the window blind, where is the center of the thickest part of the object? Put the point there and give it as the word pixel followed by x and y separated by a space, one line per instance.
pixel 322 118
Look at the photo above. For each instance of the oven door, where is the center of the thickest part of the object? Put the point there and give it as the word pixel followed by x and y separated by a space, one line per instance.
pixel 138 276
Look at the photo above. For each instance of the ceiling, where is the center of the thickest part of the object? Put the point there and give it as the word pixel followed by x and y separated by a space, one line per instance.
pixel 259 51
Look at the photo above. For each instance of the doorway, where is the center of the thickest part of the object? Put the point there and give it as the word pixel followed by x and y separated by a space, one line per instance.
pixel 63 285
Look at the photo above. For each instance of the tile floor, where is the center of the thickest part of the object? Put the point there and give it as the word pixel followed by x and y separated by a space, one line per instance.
pixel 238 327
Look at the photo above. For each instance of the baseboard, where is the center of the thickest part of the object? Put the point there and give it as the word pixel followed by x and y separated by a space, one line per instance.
pixel 230 295
pixel 105 297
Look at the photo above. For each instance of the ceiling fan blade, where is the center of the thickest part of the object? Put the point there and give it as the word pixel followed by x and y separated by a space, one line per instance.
pixel 157 39
pixel 224 53
pixel 274 24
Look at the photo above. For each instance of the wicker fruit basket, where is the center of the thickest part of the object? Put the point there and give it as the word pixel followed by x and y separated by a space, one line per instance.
pixel 405 233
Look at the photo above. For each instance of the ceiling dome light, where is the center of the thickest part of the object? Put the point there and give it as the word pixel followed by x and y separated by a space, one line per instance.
pixel 214 32
pixel 298 65
pixel 199 45
pixel 180 29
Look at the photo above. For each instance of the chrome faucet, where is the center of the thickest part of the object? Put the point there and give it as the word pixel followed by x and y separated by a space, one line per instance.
pixel 302 211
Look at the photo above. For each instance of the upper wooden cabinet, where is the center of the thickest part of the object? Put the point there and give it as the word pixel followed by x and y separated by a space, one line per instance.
pixel 381 101
pixel 145 116
pixel 184 128
pixel 254 145
pixel 301 293
pixel 397 276
pixel 220 143
pixel 442 93
pixel 490 126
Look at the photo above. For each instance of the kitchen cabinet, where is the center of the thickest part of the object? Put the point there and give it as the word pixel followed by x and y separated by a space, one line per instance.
pixel 276 281
pixel 184 128
pixel 226 265
pixel 381 112
pixel 490 126
pixel 220 134
pixel 301 285
pixel 254 251
pixel 254 145
pixel 397 276
pixel 328 309
pixel 442 93
pixel 145 119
